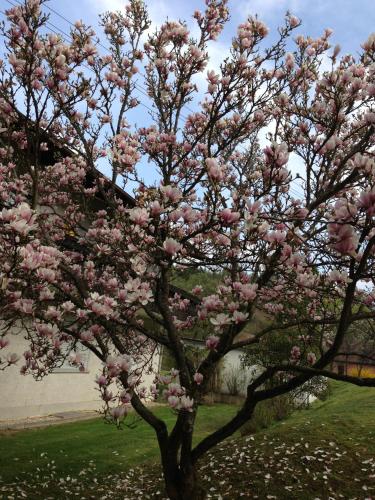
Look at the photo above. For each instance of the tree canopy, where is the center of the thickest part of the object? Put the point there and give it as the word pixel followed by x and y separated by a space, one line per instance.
pixel 268 181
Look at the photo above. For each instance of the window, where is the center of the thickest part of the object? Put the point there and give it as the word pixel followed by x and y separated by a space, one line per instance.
pixel 341 369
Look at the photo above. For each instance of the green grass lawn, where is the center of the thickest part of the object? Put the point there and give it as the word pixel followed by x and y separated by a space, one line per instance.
pixel 324 452
pixel 68 448
pixel 327 451
pixel 348 414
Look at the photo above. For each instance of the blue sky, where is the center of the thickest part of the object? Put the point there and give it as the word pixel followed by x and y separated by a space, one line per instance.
pixel 351 20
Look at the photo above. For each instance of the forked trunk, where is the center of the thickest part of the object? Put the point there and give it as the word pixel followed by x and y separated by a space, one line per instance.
pixel 183 484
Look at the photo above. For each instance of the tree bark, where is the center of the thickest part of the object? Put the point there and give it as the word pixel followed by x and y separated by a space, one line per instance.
pixel 183 483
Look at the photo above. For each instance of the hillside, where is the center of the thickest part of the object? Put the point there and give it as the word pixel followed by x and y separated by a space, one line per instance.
pixel 327 451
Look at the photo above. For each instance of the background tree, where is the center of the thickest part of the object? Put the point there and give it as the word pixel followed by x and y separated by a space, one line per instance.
pixel 82 262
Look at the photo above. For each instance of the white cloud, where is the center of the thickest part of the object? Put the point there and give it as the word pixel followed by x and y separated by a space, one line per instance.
pixel 326 62
pixel 217 52
pixel 265 8
pixel 104 5
pixel 158 10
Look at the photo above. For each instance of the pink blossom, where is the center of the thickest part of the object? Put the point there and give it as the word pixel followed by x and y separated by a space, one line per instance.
pixel 369 44
pixel 118 412
pixel 212 342
pixel 345 240
pixel 186 403
pixel 344 210
pixel 289 61
pixel 155 208
pixel 212 77
pixel 311 358
pixel 189 215
pixel 198 378
pixel 102 381
pixel 171 246
pixel 68 306
pixel 53 314
pixel 27 355
pixel 220 320
pixel 223 240
pixel 4 342
pixel 211 302
pixel 139 216
pixel 75 358
pixel 86 336
pixel 170 193
pixel 125 397
pixel 228 217
pixel 175 389
pixel 12 358
pixel 46 274
pixel 101 305
pixel 253 208
pixel 277 153
pixel 175 215
pixel 295 353
pixel 239 317
pixel 46 294
pixel 248 291
pixel 196 52
pixel 367 202
pixel 263 228
pixel 173 401
pixel 336 276
pixel 215 171
pixel 105 119
pixel 21 218
pixel 21 226
pixel 24 305
pixel 124 362
pixel 46 329
pixel 369 118
pixel 276 237
pixel 294 21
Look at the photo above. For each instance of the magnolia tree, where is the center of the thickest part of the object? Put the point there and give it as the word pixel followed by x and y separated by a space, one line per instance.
pixel 268 181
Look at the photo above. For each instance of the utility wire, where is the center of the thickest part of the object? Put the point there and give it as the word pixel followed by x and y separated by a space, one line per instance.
pixel 61 16
pixel 143 90
pixel 61 33
pixel 57 31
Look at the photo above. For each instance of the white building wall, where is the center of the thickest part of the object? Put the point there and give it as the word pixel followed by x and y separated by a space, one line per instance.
pixel 233 368
pixel 22 397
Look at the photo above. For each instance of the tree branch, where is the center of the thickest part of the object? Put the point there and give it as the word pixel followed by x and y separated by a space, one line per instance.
pixel 361 381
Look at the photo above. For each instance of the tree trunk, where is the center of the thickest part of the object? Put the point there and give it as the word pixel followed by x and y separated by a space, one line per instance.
pixel 183 484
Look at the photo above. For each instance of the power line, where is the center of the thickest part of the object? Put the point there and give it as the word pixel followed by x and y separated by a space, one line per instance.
pixel 63 34
pixel 294 191
pixel 138 86
pixel 103 47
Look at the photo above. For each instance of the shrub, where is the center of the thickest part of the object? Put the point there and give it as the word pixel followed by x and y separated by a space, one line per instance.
pixel 268 412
